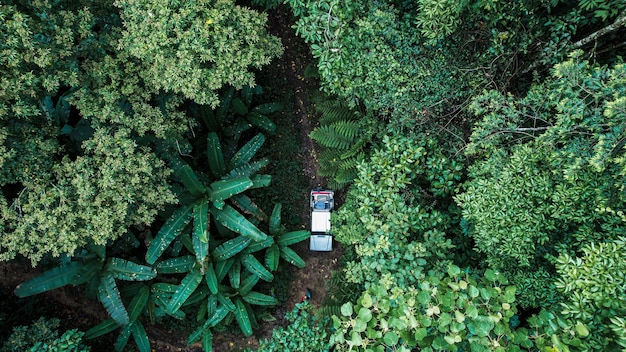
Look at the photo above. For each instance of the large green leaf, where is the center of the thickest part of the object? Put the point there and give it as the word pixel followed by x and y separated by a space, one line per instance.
pixel 138 303
pixel 234 274
pixel 233 220
pixel 140 336
pixel 172 228
pixel 109 296
pixel 122 338
pixel 224 189
pixel 272 257
pixel 241 314
pixel 275 220
pixel 54 278
pixel 260 181
pixel 262 122
pixel 293 237
pixel 207 341
pixel 201 221
pixel 101 329
pixel 292 257
pixel 215 156
pixel 255 267
pixel 187 176
pixel 248 283
pixel 176 265
pixel 230 248
pixel 246 153
pixel 185 289
pixel 123 269
pixel 222 267
pixel 246 205
pixel 211 278
pixel 259 299
pixel 248 169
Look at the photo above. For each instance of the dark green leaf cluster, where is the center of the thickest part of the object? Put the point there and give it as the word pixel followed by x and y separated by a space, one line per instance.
pixel 42 336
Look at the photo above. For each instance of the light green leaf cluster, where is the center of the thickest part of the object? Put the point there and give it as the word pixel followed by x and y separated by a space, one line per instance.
pixel 396 234
pixel 93 198
pixel 195 48
pixel 457 311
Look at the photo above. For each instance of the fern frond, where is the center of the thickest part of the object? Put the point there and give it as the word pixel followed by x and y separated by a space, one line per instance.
pixel 330 137
pixel 328 311
pixel 334 110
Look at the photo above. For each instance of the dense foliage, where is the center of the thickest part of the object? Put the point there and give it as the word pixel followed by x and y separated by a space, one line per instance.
pixel 482 146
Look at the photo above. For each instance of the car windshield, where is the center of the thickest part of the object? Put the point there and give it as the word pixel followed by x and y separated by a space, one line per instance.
pixel 321 202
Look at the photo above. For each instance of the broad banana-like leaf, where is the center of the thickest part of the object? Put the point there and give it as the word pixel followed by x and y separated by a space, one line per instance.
pixel 239 107
pixel 101 329
pixel 185 289
pixel 122 338
pixel 172 228
pixel 246 205
pixel 109 296
pixel 201 222
pixel 211 278
pixel 260 181
pixel 201 249
pixel 185 241
pixel 255 267
pixel 222 109
pixel 260 245
pixel 261 121
pixel 259 299
pixel 234 274
pixel 241 314
pixel 140 336
pixel 248 283
pixel 198 295
pixel 222 267
pixel 54 278
pixel 187 176
pixel 131 240
pixel 123 269
pixel 224 189
pixel 236 222
pixel 292 257
pixel 226 302
pixel 275 229
pixel 215 156
pixel 88 271
pixel 248 169
pixel 230 248
pixel 293 237
pixel 211 306
pixel 176 265
pixel 268 108
pixel 246 153
pixel 138 303
pixel 272 257
pixel 207 341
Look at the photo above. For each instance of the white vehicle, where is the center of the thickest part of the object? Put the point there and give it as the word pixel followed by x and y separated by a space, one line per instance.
pixel 322 203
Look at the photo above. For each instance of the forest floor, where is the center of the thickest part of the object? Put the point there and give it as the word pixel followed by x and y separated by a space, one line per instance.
pixel 76 311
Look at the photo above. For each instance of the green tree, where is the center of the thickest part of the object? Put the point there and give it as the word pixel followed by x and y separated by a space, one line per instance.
pixel 550 173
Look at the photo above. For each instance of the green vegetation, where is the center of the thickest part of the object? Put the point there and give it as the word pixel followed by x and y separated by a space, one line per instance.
pixel 481 146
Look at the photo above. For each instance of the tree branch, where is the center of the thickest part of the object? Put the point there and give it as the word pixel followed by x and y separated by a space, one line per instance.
pixel 619 22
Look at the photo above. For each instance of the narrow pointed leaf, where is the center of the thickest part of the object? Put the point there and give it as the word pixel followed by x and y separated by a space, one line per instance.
pixel 234 274
pixel 248 283
pixel 226 302
pixel 233 220
pixel 247 152
pixel 207 341
pixel 189 284
pixel 109 296
pixel 123 269
pixel 241 314
pixel 222 109
pixel 272 257
pixel 102 329
pixel 258 246
pixel 176 265
pixel 222 267
pixel 201 222
pixel 260 181
pixel 275 220
pixel 268 108
pixel 140 336
pixel 122 338
pixel 215 155
pixel 224 189
pixel 211 278
pixel 261 121
pixel 172 228
pixel 138 303
pixel 54 278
